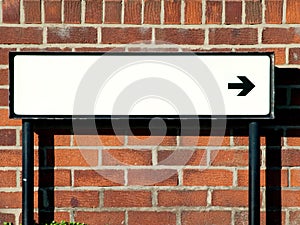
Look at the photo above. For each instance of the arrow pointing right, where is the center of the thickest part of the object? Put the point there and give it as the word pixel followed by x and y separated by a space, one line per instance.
pixel 246 85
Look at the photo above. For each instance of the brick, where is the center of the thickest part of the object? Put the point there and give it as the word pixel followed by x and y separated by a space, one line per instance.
pixel 19 35
pixel 113 10
pixel 11 11
pixel 94 49
pixel 72 11
pixel 4 55
pixel 290 198
pixel 42 216
pixel 125 35
pixel 32 11
pixel 294 101
pixel 132 11
pixel 96 218
pixel 98 178
pixel 150 177
pixel 10 158
pixel 253 12
pixel 294 56
pixel 233 12
pixel 152 140
pixel 7 137
pixel 182 198
pixel 50 49
pixel 294 217
pixel 46 138
pixel 281 35
pixel 230 198
pixel 152 10
pixel 117 157
pixel 274 11
pixel 127 199
pixel 269 178
pixel 205 140
pixel 234 36
pixel 205 177
pixel 244 140
pixel 5 217
pixel 290 157
pixel 53 11
pixel 295 178
pixel 279 54
pixel 76 199
pixel 232 158
pixel 49 178
pixel 213 12
pixel 11 200
pixel 72 35
pixel 180 36
pixel 193 12
pixel 5 121
pixel 102 140
pixel 4 97
pixel 292 11
pixel 203 218
pixel 93 11
pixel 73 157
pixel 8 179
pixel 151 218
pixel 182 157
pixel 172 10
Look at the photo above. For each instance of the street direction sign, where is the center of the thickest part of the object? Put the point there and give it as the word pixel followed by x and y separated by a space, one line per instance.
pixel 141 85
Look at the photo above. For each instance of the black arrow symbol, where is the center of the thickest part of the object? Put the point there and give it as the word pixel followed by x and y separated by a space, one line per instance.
pixel 246 85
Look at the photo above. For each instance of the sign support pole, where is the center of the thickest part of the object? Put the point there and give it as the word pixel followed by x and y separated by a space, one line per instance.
pixel 254 174
pixel 27 173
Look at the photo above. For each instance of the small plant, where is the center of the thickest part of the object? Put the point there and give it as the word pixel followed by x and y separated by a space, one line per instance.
pixel 53 223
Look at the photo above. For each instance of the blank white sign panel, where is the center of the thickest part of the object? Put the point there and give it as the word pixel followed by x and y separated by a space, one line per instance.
pixel 64 85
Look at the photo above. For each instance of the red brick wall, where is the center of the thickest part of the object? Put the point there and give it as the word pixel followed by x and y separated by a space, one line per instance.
pixel 109 187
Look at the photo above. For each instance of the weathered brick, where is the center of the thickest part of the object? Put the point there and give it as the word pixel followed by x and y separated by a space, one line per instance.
pixel 233 12
pixel 274 11
pixel 182 198
pixel 172 11
pixel 98 178
pixel 72 35
pixel 213 12
pixel 234 36
pixel 72 11
pixel 152 10
pixel 253 12
pixel 76 199
pixel 7 137
pixel 53 11
pixel 113 10
pixel 151 218
pixel 193 12
pixel 132 11
pixel 203 218
pixel 117 157
pixel 4 97
pixel 195 177
pixel 281 35
pixel 93 11
pixel 32 11
pixel 8 178
pixel 125 35
pixel 19 35
pixel 127 199
pixel 292 11
pixel 180 36
pixel 150 177
pixel 11 11
pixel 97 218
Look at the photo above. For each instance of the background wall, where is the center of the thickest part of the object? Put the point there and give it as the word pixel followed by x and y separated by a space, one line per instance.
pixel 195 193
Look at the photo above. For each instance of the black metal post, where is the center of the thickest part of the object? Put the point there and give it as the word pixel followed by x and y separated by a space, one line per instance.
pixel 254 174
pixel 27 173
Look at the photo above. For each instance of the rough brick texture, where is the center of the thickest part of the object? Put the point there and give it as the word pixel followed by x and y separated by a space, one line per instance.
pixel 115 178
